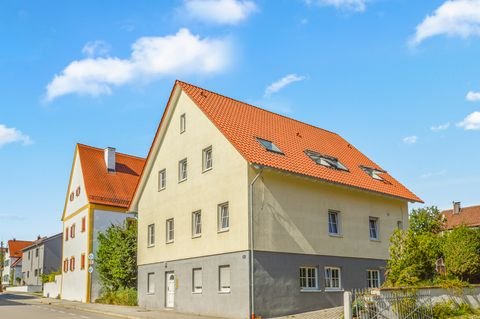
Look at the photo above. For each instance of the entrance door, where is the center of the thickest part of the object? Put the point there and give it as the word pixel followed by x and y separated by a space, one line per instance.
pixel 170 290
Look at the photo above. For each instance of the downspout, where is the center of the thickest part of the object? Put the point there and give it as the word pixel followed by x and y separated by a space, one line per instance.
pixel 252 283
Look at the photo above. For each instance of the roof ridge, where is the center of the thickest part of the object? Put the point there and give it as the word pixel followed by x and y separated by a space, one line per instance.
pixel 257 107
pixel 465 207
pixel 118 153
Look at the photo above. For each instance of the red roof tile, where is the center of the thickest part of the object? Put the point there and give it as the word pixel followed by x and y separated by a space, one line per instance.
pixel 468 216
pixel 241 123
pixel 102 187
pixel 15 247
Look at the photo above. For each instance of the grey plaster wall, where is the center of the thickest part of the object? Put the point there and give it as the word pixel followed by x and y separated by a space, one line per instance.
pixel 277 284
pixel 52 254
pixel 210 302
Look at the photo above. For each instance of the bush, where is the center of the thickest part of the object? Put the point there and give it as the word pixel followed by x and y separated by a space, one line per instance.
pixel 51 276
pixel 122 296
pixel 451 309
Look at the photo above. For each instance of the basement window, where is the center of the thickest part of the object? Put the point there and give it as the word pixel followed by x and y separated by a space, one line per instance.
pixel 374 173
pixel 269 146
pixel 325 160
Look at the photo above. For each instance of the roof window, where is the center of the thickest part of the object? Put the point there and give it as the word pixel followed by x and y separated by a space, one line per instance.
pixel 325 160
pixel 373 172
pixel 269 145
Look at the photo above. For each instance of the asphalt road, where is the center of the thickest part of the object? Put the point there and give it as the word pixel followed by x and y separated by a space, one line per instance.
pixel 25 307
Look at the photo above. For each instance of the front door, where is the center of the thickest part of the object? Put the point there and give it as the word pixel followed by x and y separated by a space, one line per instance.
pixel 170 290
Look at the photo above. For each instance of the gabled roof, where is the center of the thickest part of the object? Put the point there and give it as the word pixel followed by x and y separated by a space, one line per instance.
pixel 114 189
pixel 15 247
pixel 468 216
pixel 242 123
pixel 17 262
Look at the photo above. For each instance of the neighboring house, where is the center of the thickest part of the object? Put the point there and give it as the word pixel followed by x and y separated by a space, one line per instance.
pixel 42 257
pixel 458 215
pixel 100 189
pixel 243 211
pixel 12 270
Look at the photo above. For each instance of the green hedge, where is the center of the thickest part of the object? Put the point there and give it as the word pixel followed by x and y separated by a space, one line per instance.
pixel 123 296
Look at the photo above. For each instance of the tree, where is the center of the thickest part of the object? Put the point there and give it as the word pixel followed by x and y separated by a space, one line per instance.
pixel 117 256
pixel 462 253
pixel 426 220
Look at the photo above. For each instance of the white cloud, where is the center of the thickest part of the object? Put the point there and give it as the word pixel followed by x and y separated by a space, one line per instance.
pixel 410 139
pixel 352 5
pixel 283 82
pixel 219 11
pixel 151 57
pixel 442 172
pixel 12 135
pixel 96 48
pixel 459 18
pixel 471 122
pixel 441 127
pixel 473 96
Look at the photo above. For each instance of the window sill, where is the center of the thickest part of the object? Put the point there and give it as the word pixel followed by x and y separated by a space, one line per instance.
pixel 334 290
pixel 150 246
pixel 170 242
pixel 223 230
pixel 335 235
pixel 150 294
pixel 310 290
pixel 207 170
pixel 224 292
pixel 375 240
pixel 196 293
pixel 162 189
pixel 196 236
pixel 181 181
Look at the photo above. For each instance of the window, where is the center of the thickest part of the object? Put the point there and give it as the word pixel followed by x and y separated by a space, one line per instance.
pixel 332 278
pixel 373 225
pixel 65 265
pixel 333 223
pixel 400 224
pixel 197 280
pixel 223 217
pixel 182 170
pixel 36 252
pixel 207 159
pixel 170 230
pixel 72 231
pixel 162 179
pixel 183 123
pixel 39 271
pixel 72 263
pixel 224 279
pixel 82 261
pixel 66 234
pixel 373 172
pixel 308 278
pixel 325 160
pixel 29 255
pixel 151 283
pixel 36 273
pixel 84 224
pixel 269 146
pixel 373 279
pixel 196 224
pixel 151 235
pixel 28 274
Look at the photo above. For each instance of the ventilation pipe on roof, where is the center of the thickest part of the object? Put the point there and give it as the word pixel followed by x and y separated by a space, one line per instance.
pixel 110 160
pixel 456 208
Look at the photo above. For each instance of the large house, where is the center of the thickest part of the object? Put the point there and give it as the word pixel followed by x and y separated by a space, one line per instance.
pixel 100 190
pixel 242 211
pixel 12 265
pixel 461 216
pixel 43 256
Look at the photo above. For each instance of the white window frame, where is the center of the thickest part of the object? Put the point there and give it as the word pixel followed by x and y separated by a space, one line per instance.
pixel 269 146
pixel 377 228
pixel 306 276
pixel 207 163
pixel 151 235
pixel 170 230
pixel 221 217
pixel 162 179
pixel 221 287
pixel 330 280
pixel 338 223
pixel 197 223
pixel 150 283
pixel 182 170
pixel 183 123
pixel 197 280
pixel 373 282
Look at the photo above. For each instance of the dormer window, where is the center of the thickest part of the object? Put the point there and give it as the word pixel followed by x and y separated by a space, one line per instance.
pixel 374 173
pixel 269 145
pixel 325 160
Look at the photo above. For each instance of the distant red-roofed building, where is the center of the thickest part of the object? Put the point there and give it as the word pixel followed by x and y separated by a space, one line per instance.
pixel 245 212
pixel 12 270
pixel 101 187
pixel 458 216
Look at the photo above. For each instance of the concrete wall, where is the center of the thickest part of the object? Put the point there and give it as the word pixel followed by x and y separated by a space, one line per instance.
pixel 52 289
pixel 31 288
pixel 291 215
pixel 210 302
pixel 277 283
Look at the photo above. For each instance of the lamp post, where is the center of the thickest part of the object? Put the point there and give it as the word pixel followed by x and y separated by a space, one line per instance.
pixel 2 258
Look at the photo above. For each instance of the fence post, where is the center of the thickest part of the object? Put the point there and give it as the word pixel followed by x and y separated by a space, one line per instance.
pixel 347 305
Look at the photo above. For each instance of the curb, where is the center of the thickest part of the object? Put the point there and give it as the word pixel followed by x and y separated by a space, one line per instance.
pixel 113 314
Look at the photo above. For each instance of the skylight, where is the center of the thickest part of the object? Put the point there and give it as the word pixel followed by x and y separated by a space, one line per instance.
pixel 374 173
pixel 325 160
pixel 269 145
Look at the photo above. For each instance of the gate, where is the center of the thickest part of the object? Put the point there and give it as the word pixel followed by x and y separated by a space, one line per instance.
pixel 391 304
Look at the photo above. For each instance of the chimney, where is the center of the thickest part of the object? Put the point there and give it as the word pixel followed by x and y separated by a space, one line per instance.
pixel 110 161
pixel 456 208
pixel 38 237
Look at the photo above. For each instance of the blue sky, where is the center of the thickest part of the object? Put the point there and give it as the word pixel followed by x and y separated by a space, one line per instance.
pixel 399 79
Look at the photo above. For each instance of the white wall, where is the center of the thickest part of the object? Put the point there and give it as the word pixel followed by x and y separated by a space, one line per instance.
pixel 75 182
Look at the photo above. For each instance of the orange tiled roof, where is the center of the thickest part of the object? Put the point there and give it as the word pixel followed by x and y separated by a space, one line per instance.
pixel 15 247
pixel 468 216
pixel 241 123
pixel 102 187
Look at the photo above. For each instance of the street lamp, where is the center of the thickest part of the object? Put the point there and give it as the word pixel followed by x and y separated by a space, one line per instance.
pixel 2 258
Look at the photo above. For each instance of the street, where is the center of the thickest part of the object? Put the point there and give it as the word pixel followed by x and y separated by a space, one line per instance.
pixel 13 306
